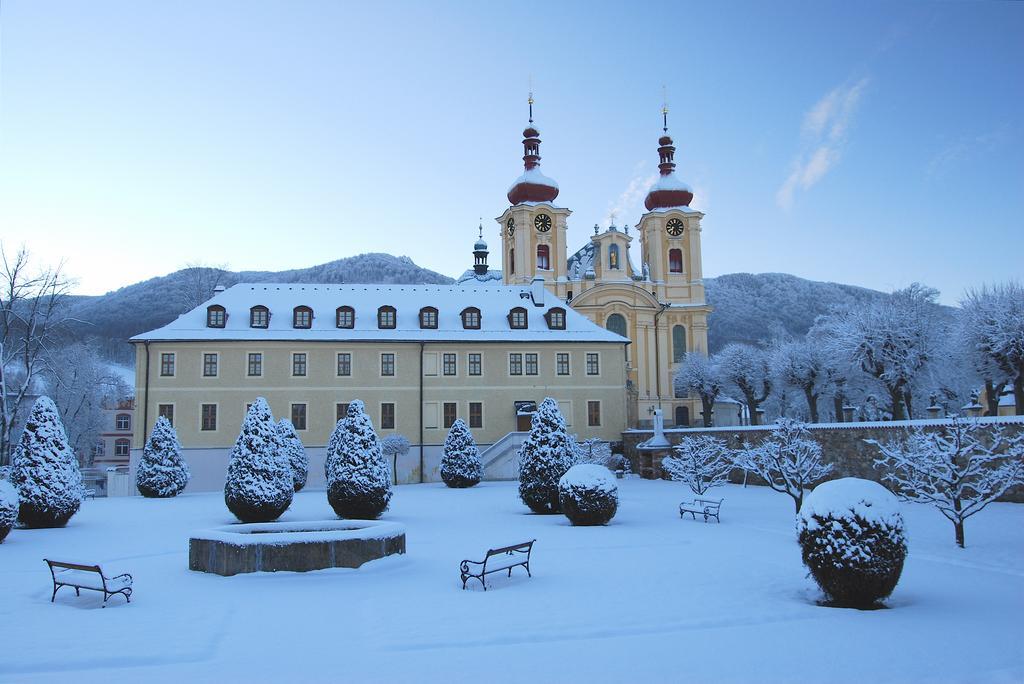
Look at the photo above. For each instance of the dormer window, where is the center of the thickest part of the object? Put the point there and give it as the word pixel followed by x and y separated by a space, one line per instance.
pixel 386 316
pixel 302 317
pixel 216 316
pixel 345 317
pixel 471 318
pixel 259 317
pixel 555 318
pixel 517 318
pixel 428 318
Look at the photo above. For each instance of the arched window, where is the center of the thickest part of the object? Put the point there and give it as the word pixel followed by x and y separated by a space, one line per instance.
pixel 122 448
pixel 678 344
pixel 511 261
pixel 617 324
pixel 302 317
pixel 555 318
pixel 543 257
pixel 428 317
pixel 216 316
pixel 613 257
pixel 386 316
pixel 471 318
pixel 123 422
pixel 675 261
pixel 345 317
pixel 517 318
pixel 259 317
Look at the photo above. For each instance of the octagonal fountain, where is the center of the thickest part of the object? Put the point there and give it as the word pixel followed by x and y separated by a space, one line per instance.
pixel 293 546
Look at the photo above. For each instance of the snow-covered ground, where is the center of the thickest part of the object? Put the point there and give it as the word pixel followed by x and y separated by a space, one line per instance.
pixel 648 598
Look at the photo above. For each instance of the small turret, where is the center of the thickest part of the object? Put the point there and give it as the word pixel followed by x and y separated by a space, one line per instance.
pixel 480 254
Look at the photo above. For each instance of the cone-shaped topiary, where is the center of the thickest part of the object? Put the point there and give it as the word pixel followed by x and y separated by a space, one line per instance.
pixel 851 535
pixel 588 494
pixel 358 479
pixel 460 464
pixel 8 508
pixel 294 451
pixel 46 470
pixel 259 485
pixel 162 472
pixel 543 459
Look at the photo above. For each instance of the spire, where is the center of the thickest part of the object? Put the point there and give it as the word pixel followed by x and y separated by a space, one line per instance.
pixel 532 186
pixel 480 252
pixel 668 191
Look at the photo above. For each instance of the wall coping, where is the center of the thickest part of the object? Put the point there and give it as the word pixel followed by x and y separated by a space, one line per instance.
pixel 889 424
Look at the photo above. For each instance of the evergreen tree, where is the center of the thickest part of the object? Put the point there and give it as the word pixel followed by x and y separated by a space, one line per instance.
pixel 8 507
pixel 545 456
pixel 294 451
pixel 46 470
pixel 259 485
pixel 358 480
pixel 162 471
pixel 460 464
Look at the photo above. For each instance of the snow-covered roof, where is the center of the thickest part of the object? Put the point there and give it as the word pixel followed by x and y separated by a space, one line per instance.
pixel 670 182
pixel 534 177
pixel 582 261
pixel 665 210
pixel 494 302
pixel 470 277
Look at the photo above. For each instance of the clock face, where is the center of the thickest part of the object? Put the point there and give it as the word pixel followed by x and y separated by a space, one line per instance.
pixel 674 227
pixel 542 223
pixel 510 226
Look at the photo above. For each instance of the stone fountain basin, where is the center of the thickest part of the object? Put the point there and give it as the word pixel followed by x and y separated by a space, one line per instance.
pixel 293 546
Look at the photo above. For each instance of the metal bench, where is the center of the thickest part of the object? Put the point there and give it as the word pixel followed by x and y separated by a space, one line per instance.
pixel 496 560
pixel 709 508
pixel 79 576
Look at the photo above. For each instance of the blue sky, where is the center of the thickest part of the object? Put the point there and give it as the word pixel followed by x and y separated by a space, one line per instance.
pixel 870 143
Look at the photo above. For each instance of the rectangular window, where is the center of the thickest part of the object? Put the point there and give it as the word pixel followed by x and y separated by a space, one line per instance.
pixel 299 364
pixel 209 413
pixel 344 364
pixel 475 364
pixel 476 414
pixel 123 422
pixel 122 448
pixel 593 364
pixel 259 317
pixel 448 364
pixel 166 411
pixel 515 364
pixel 385 317
pixel 517 319
pixel 562 363
pixel 387 364
pixel 167 364
pixel 209 365
pixel 428 318
pixel 302 317
pixel 299 416
pixel 531 364
pixel 255 368
pixel 346 317
pixel 387 416
pixel 450 413
pixel 340 411
pixel 594 413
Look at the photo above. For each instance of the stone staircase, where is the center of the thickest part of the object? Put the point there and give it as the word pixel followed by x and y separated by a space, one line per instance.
pixel 499 459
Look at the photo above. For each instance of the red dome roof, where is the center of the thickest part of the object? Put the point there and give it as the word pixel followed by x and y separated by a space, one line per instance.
pixel 668 191
pixel 532 186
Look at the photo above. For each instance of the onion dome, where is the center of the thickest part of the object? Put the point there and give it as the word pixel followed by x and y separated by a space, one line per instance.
pixel 480 246
pixel 668 191
pixel 480 253
pixel 532 186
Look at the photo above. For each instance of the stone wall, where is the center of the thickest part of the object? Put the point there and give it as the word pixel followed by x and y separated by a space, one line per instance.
pixel 842 445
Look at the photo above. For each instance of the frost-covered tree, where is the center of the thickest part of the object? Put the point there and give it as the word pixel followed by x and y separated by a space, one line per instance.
pixel 746 368
pixel 992 321
pixel 162 471
pixel 460 463
pixel 789 461
pixel 259 485
pixel 799 364
pixel 960 469
pixel 699 375
pixel 544 457
pixel 701 463
pixel 592 450
pixel 358 477
pixel 8 508
pixel 45 470
pixel 394 447
pixel 294 451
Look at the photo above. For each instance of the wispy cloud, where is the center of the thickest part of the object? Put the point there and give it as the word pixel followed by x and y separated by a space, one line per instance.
pixel 824 133
pixel 960 151
pixel 628 202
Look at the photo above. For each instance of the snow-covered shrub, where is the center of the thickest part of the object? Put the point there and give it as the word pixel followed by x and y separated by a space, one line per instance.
pixel 358 478
pixel 789 461
pixel 46 470
pixel 162 471
pixel 851 537
pixel 588 494
pixel 700 462
pixel 259 485
pixel 543 459
pixel 592 450
pixel 8 508
pixel 460 464
pixel 294 451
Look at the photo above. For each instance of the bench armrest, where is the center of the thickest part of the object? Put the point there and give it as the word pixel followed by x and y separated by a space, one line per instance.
pixel 464 565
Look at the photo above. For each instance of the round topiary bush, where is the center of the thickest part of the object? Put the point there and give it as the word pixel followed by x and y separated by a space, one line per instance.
pixel 162 471
pixel 851 536
pixel 460 463
pixel 259 485
pixel 46 470
pixel 588 494
pixel 8 508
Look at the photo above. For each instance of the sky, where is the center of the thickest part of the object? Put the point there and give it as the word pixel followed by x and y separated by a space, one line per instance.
pixel 876 144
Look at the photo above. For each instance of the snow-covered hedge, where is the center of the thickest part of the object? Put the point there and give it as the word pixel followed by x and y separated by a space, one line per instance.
pixel 851 535
pixel 460 463
pixel 294 451
pixel 358 477
pixel 543 459
pixel 8 508
pixel 46 470
pixel 162 471
pixel 259 485
pixel 588 494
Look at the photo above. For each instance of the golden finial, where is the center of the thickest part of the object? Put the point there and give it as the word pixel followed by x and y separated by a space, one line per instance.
pixel 664 108
pixel 529 99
